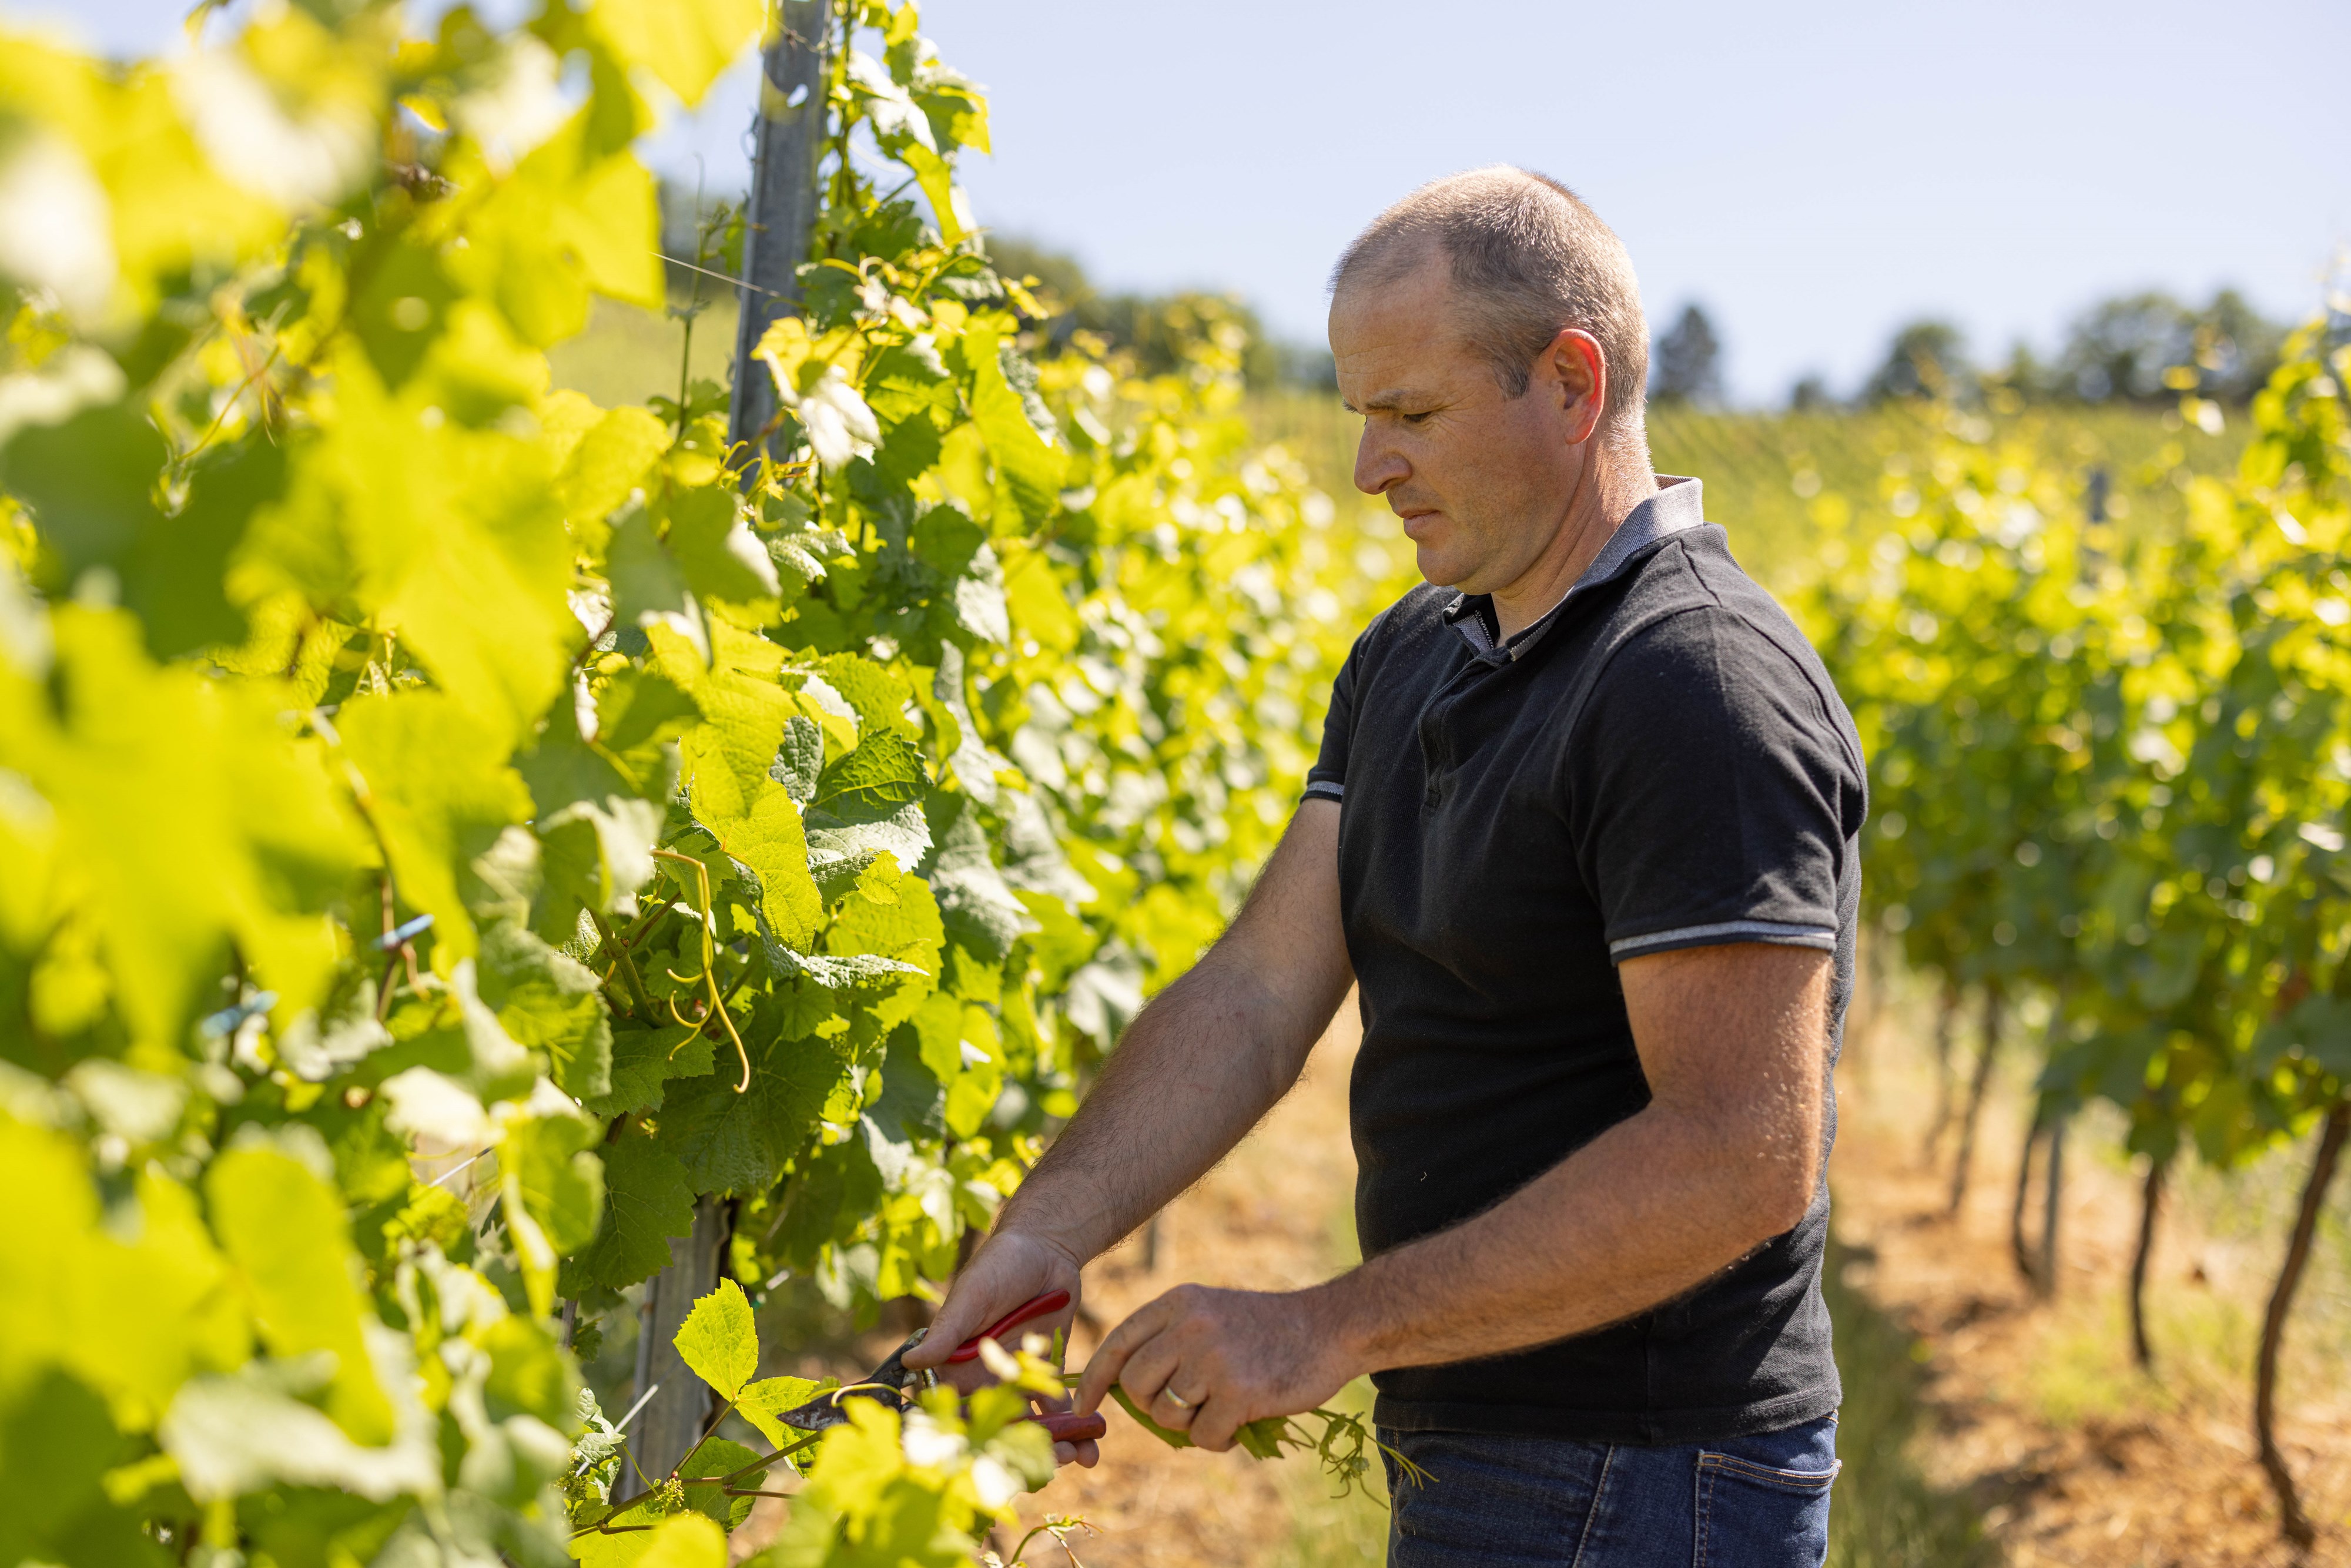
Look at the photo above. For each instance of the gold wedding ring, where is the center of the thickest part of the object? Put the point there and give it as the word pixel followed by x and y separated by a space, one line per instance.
pixel 1176 1399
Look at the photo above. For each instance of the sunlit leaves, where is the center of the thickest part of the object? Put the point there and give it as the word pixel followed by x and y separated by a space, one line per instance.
pixel 685 43
pixel 249 832
pixel 719 1341
pixel 280 1223
pixel 438 793
pixel 351 681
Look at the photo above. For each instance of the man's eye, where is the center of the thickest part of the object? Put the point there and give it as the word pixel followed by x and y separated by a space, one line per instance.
pixel 1415 418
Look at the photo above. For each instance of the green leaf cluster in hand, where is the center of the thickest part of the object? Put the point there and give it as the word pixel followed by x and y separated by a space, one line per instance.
pixel 1339 1449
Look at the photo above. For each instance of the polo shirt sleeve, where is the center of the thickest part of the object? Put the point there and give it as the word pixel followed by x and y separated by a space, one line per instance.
pixel 1718 797
pixel 1327 780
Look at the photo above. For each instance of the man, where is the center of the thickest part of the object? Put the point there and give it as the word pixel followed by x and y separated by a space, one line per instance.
pixel 1582 833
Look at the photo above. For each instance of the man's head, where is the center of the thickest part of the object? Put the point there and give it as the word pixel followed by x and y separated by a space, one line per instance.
pixel 1488 328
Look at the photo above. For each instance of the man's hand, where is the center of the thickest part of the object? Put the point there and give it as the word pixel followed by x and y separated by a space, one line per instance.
pixel 1012 1267
pixel 1208 1362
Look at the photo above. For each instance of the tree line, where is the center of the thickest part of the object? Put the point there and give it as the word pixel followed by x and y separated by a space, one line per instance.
pixel 2143 349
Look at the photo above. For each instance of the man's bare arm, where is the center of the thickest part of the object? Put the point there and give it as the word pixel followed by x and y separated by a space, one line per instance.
pixel 1191 1076
pixel 1726 1156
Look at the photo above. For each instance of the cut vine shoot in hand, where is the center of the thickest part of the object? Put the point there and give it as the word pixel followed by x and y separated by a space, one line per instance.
pixel 1340 1447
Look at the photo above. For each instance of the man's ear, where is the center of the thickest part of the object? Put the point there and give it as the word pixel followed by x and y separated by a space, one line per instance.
pixel 1580 367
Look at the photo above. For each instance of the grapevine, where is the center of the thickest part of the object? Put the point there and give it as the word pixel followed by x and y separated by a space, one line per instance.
pixel 453 829
pixel 2110 773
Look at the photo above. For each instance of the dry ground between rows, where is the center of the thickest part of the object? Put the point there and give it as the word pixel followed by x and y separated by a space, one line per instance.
pixel 2034 1414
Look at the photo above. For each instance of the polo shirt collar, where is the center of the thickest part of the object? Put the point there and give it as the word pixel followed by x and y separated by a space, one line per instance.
pixel 1677 505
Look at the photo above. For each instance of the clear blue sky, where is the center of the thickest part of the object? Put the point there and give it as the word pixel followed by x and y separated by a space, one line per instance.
pixel 1816 173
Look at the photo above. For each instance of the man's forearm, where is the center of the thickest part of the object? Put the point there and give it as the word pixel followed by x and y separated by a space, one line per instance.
pixel 1192 1075
pixel 1641 1214
pixel 1725 1156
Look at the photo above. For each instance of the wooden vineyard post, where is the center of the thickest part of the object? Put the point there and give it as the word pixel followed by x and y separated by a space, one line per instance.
pixel 672 1423
pixel 778 220
pixel 781 214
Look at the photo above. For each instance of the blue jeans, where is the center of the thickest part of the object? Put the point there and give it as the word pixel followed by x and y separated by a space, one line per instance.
pixel 1742 1502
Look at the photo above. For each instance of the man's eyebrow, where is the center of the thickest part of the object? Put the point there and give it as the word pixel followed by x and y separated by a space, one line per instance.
pixel 1394 397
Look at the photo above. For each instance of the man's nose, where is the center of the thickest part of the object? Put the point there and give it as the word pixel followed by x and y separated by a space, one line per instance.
pixel 1379 467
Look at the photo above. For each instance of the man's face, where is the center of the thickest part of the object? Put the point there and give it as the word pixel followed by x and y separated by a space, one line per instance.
pixel 1480 479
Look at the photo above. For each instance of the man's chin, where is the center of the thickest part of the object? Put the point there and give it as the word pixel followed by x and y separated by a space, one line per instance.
pixel 1442 568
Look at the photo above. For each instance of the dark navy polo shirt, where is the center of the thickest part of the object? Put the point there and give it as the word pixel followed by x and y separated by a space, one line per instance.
pixel 1659 762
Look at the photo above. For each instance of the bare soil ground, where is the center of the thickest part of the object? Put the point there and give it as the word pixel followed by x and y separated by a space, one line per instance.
pixel 2072 1455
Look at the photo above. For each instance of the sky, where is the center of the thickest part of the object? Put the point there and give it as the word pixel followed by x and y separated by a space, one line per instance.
pixel 1813 173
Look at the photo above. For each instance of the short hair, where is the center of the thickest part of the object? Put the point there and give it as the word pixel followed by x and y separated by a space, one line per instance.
pixel 1530 258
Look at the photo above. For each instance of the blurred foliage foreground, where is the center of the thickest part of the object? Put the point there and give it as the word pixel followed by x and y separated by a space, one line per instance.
pixel 450 827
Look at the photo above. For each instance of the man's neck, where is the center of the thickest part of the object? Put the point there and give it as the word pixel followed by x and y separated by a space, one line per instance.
pixel 1604 499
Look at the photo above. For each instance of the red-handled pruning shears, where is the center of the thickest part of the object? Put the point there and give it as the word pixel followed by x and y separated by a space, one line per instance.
pixel 888 1381
pixel 1051 1301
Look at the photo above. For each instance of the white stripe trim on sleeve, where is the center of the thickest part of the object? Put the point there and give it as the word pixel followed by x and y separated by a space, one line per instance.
pixel 1324 787
pixel 1727 931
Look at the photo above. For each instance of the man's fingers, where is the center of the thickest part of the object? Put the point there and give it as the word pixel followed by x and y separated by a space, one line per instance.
pixel 1215 1422
pixel 1149 1379
pixel 1088 1453
pixel 1110 1358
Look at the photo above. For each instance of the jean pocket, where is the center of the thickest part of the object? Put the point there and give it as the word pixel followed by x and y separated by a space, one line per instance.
pixel 1753 1515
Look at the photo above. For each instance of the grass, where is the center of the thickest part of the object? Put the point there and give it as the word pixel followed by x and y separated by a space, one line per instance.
pixel 1885 1514
pixel 629 354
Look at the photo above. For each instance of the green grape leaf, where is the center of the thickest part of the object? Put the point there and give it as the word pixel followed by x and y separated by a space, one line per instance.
pixel 56 1444
pixel 845 837
pixel 723 560
pixel 645 1059
pixel 799 760
pixel 576 215
pixel 1033 471
pixel 281 1225
pixel 839 973
pixel 685 43
pixel 936 177
pixel 908 930
pixel 609 460
pixel 252 831
pixel 529 1374
pixel 561 1185
pixel 733 1143
pixel 647 1200
pixel 878 694
pixel 440 793
pixel 719 1341
pixel 883 772
pixel 649 587
pixel 641 708
pixel 719 1456
pixel 549 1002
pixel 594 855
pixel 978 909
pixel 763 1403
